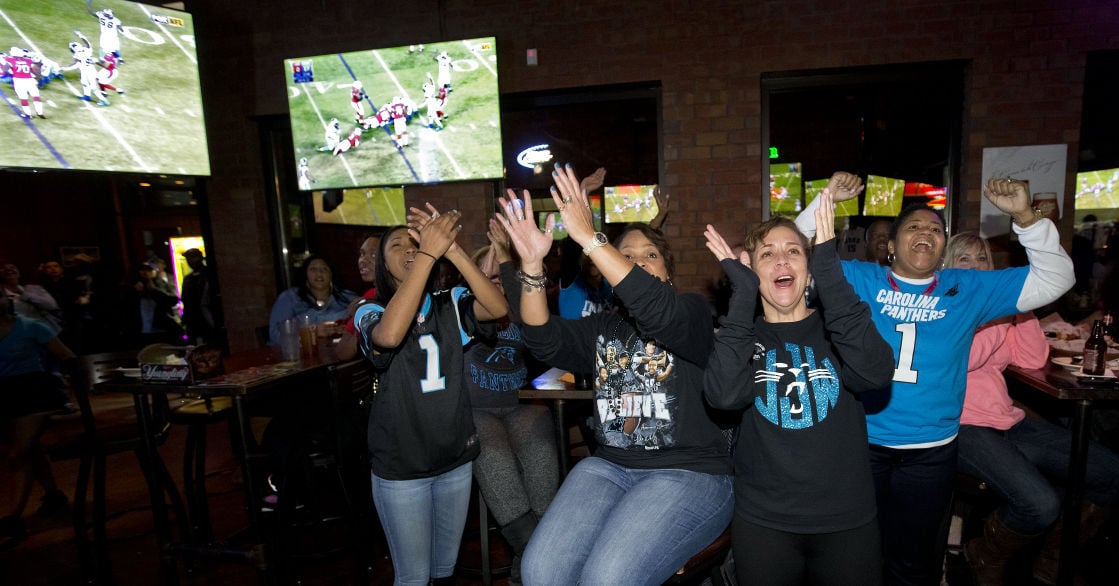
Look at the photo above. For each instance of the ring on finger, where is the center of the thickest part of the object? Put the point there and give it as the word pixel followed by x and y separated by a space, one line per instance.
pixel 567 199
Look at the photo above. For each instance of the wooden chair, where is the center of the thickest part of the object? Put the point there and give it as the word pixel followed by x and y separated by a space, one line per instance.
pixel 197 415
pixel 707 566
pixel 100 431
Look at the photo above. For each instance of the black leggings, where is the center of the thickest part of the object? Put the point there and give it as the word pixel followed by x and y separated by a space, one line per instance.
pixel 768 556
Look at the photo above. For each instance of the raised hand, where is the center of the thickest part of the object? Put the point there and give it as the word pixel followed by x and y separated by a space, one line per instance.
pixel 845 186
pixel 593 181
pixel 571 201
pixel 719 247
pixel 825 216
pixel 499 241
pixel 1012 196
pixel 516 218
pixel 418 218
pixel 438 234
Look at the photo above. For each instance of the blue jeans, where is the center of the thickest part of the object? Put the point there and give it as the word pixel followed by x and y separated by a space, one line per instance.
pixel 614 525
pixel 423 521
pixel 1022 464
pixel 913 489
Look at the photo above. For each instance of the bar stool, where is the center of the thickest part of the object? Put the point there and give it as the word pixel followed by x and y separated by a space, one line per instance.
pixel 197 415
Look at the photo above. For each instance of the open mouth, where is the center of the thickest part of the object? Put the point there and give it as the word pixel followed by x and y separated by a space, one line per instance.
pixel 922 245
pixel 784 281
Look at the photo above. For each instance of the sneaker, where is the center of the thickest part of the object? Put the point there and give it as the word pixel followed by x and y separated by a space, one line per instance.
pixel 271 501
pixel 54 503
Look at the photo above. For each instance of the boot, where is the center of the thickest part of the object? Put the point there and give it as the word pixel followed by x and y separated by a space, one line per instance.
pixel 517 532
pixel 987 554
pixel 1092 517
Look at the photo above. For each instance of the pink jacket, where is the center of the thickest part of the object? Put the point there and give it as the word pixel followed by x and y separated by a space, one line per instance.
pixel 1016 340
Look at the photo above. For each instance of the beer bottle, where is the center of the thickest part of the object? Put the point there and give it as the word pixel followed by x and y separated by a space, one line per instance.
pixel 1095 351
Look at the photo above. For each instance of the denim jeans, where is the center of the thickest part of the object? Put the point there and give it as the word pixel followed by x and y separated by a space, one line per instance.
pixel 423 521
pixel 614 525
pixel 913 488
pixel 1022 465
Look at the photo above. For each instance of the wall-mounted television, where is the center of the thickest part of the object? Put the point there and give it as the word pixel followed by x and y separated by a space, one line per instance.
pixel 630 203
pixel 424 113
pixel 883 196
pixel 1097 190
pixel 848 207
pixel 785 188
pixel 140 108
pixel 369 206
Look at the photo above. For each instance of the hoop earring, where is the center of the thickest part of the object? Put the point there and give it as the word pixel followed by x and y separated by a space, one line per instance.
pixel 890 258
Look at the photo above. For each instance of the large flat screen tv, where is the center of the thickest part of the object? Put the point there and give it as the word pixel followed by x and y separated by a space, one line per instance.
pixel 106 85
pixel 397 116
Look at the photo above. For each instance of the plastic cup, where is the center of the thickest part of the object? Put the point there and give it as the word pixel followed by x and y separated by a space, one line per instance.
pixel 289 339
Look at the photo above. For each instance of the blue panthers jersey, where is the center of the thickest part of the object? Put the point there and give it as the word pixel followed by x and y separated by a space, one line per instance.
pixel 930 327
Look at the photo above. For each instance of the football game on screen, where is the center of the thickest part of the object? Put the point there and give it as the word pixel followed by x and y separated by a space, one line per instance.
pixel 103 85
pixel 396 116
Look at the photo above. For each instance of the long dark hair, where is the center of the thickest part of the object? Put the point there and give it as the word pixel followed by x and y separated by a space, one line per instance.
pixel 386 284
pixel 336 291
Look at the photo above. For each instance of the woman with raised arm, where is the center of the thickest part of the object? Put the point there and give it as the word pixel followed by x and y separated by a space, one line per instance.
pixel 421 434
pixel 658 488
pixel 804 495
pixel 928 317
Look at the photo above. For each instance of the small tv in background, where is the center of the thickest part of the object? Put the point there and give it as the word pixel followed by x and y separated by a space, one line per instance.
pixel 630 203
pixel 155 125
pixel 883 196
pixel 423 113
pixel 844 208
pixel 559 231
pixel 785 189
pixel 1097 190
pixel 369 206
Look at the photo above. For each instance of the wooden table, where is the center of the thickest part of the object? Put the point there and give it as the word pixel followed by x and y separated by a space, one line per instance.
pixel 1063 385
pixel 250 373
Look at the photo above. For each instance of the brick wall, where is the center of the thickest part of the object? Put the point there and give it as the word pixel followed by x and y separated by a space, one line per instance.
pixel 1024 86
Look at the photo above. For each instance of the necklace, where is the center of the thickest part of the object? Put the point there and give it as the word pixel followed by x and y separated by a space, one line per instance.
pixel 894 284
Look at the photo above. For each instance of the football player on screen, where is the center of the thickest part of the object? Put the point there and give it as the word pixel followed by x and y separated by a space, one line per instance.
pixel 111 28
pixel 108 75
pixel 444 61
pixel 349 142
pixel 433 104
pixel 333 135
pixel 86 65
pixel 303 171
pixel 357 100
pixel 401 113
pixel 21 67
